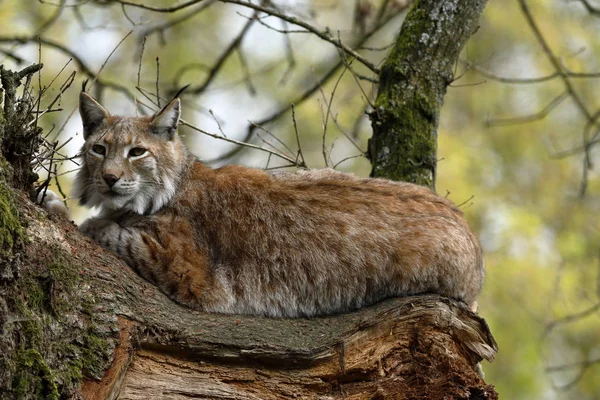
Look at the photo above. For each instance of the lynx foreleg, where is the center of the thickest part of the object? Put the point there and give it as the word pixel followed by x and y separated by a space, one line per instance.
pixel 177 267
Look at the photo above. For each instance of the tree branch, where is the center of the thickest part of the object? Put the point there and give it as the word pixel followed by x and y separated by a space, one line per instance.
pixel 83 67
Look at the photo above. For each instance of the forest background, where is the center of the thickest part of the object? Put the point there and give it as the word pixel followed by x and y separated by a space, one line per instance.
pixel 517 137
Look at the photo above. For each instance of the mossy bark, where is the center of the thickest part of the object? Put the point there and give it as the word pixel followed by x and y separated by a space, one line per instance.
pixel 50 337
pixel 11 231
pixel 412 86
pixel 19 137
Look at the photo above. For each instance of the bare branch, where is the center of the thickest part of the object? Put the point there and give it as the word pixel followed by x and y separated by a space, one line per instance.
pixel 554 60
pixel 140 61
pixel 82 66
pixel 591 9
pixel 303 162
pixel 563 367
pixel 571 318
pixel 530 118
pixel 343 160
pixel 157 80
pixel 583 367
pixel 160 9
pixel 46 25
pixel 324 35
pixel 170 24
pixel 521 81
pixel 331 72
pixel 212 73
pixel 239 143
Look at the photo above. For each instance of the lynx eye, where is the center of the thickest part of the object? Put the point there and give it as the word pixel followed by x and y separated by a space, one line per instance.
pixel 99 149
pixel 136 152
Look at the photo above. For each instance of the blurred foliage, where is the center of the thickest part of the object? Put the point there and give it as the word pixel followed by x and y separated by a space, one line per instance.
pixel 541 237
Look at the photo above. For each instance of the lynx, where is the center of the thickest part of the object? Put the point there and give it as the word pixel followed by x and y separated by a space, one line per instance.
pixel 246 241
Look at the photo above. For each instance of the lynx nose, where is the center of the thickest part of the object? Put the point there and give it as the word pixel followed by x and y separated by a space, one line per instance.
pixel 110 179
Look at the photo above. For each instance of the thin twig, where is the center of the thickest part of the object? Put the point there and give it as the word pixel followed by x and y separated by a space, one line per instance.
pixel 347 159
pixel 157 80
pixel 237 142
pixel 140 60
pixel 276 139
pixel 212 114
pixel 299 154
pixel 160 9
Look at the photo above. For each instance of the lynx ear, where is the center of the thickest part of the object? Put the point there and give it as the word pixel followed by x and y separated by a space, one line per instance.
pixel 164 123
pixel 92 114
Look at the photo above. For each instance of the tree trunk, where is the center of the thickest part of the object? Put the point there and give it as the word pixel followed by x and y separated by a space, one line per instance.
pixel 76 322
pixel 412 85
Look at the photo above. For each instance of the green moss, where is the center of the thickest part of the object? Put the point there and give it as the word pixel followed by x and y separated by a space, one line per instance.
pixel 34 378
pixel 51 289
pixel 37 296
pixel 50 344
pixel 416 23
pixel 62 279
pixel 87 359
pixel 94 356
pixel 50 295
pixel 11 230
pixel 61 270
pixel 405 146
pixel 32 329
pixel 37 378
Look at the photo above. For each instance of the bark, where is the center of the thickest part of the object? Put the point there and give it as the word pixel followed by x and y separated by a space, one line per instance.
pixel 412 85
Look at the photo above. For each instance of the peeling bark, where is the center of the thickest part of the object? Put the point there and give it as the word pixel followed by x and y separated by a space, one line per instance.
pixel 412 86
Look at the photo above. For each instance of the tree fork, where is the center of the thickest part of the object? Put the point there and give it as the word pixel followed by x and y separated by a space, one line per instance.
pixel 412 85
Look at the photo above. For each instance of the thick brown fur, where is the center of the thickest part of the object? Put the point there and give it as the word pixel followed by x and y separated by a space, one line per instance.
pixel 242 240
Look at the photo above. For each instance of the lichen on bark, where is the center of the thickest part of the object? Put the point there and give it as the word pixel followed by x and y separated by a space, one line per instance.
pixel 412 85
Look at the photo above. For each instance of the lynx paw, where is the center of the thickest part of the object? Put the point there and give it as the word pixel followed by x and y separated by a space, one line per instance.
pixel 52 202
pixel 103 231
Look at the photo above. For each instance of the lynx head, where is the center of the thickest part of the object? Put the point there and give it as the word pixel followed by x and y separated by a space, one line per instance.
pixel 129 163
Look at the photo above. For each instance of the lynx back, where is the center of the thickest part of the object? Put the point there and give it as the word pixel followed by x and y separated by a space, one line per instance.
pixel 241 240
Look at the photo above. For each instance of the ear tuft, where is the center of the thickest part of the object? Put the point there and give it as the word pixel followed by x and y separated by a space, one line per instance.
pixel 164 122
pixel 92 114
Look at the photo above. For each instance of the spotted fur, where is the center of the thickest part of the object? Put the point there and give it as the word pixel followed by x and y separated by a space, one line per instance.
pixel 241 240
